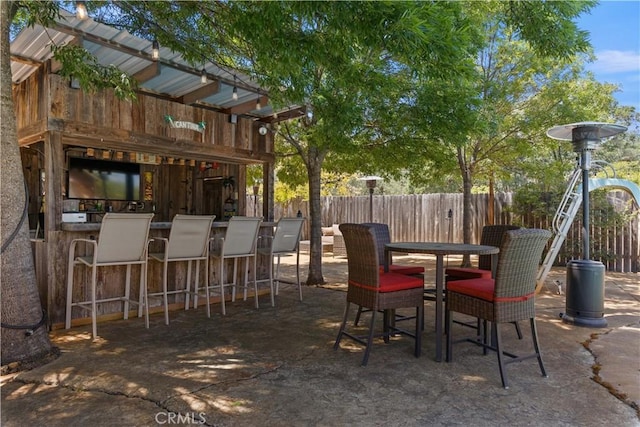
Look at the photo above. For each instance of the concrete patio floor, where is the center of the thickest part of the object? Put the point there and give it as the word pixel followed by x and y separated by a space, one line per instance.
pixel 277 367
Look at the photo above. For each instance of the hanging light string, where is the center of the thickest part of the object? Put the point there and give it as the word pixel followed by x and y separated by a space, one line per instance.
pixel 156 28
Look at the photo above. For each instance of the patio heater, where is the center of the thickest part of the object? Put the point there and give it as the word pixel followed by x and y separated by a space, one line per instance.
pixel 585 277
pixel 371 180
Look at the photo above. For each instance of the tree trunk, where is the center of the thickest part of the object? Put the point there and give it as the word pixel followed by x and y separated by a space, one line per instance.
pixel 467 184
pixel 314 169
pixel 25 339
pixel 491 220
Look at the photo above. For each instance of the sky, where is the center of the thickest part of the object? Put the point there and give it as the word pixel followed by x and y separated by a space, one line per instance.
pixel 614 28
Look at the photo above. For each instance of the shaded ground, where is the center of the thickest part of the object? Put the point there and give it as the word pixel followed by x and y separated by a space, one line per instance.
pixel 276 367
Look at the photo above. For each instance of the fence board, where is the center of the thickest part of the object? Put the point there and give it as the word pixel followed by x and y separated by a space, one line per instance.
pixel 424 217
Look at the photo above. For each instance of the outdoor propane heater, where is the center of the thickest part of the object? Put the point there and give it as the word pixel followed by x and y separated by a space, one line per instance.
pixel 371 185
pixel 585 277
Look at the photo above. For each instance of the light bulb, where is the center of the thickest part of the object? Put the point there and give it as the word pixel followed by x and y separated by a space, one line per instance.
pixel 155 50
pixel 81 10
pixel 234 95
pixel 203 77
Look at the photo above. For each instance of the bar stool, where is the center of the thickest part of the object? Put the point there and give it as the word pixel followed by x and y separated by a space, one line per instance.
pixel 188 241
pixel 123 240
pixel 239 242
pixel 285 241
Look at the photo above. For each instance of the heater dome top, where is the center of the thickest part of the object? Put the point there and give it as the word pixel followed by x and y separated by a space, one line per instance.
pixel 585 130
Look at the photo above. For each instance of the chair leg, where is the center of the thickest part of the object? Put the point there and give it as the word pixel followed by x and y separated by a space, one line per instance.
pixel 165 297
pixel 127 289
pixel 419 316
pixel 448 320
pixel 518 331
pixel 298 274
pixel 233 283
pixel 67 322
pixel 355 322
pixel 534 336
pixel 187 286
pixel 342 326
pixel 221 282
pixel 207 282
pixel 365 359
pixel 386 316
pixel 484 335
pixel 276 278
pixel 271 290
pixel 94 278
pixel 255 282
pixel 495 331
pixel 144 294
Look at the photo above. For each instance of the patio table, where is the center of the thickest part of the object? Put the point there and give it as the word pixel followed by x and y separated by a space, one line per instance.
pixel 439 250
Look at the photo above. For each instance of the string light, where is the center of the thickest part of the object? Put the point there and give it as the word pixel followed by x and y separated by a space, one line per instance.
pixel 155 50
pixel 81 10
pixel 258 105
pixel 203 76
pixel 234 95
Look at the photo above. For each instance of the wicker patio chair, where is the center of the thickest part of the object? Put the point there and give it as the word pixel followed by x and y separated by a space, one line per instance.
pixel 491 236
pixel 381 231
pixel 375 290
pixel 507 298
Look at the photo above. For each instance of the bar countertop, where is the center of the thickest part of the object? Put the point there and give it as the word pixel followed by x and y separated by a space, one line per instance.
pixel 95 226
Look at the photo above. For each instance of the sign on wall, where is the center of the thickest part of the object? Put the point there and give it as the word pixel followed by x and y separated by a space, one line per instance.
pixel 178 124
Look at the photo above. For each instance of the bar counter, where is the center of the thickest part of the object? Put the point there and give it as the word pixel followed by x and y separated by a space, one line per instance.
pixel 51 272
pixel 95 226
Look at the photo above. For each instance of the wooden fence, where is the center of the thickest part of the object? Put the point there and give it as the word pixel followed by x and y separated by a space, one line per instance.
pixel 438 217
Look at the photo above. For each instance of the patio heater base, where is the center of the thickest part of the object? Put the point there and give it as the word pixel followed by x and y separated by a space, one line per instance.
pixel 585 294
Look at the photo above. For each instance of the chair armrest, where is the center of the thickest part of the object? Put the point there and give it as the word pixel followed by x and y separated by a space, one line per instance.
pixel 163 240
pixel 216 242
pixel 264 241
pixel 74 242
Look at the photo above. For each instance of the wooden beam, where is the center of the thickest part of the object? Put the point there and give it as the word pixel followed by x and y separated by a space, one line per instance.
pixel 147 73
pixel 200 93
pixel 245 107
pixel 86 135
pixel 285 115
pixel 24 60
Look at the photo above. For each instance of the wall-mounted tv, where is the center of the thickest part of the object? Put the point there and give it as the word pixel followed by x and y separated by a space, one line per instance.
pixel 103 179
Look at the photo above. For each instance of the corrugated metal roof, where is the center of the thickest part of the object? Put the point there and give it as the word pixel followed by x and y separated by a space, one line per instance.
pixel 132 54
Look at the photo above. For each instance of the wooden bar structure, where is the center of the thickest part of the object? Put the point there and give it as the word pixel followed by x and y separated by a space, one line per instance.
pixel 192 157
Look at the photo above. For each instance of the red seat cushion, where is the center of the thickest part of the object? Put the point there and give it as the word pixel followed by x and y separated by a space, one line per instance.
pixel 478 288
pixel 460 273
pixel 408 270
pixel 392 282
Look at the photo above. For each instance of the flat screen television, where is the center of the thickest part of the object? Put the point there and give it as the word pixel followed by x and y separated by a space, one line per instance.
pixel 103 179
